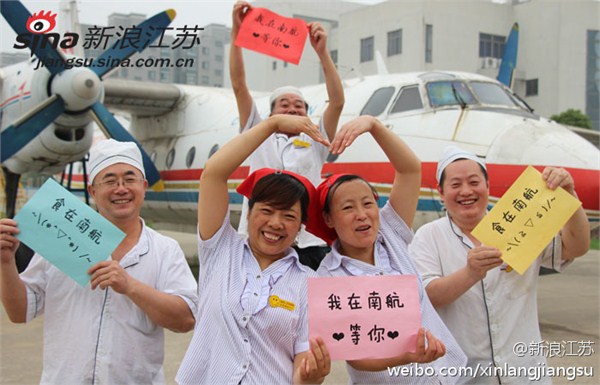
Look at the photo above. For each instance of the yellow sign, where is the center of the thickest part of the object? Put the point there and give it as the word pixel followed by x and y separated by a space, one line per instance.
pixel 525 219
pixel 275 301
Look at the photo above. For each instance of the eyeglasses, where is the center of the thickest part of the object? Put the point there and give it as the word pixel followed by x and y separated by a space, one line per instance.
pixel 129 181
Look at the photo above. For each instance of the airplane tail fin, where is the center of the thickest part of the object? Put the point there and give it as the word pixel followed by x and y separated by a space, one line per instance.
pixel 509 58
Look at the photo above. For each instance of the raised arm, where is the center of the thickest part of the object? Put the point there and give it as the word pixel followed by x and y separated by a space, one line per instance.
pixel 213 199
pixel 12 289
pixel 576 232
pixel 237 72
pixel 407 180
pixel 335 91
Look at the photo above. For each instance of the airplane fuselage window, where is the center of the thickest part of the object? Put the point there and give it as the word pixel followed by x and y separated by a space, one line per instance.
pixel 408 99
pixel 378 101
pixel 213 149
pixel 170 158
pixel 189 158
pixel 449 94
pixel 490 93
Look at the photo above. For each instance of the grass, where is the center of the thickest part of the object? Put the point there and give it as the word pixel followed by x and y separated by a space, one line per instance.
pixel 595 243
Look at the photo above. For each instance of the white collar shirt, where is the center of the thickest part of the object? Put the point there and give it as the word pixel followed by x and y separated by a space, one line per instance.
pixel 100 336
pixel 259 283
pixel 494 315
pixel 391 258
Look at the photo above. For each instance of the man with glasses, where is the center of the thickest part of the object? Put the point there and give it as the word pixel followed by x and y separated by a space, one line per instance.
pixel 114 335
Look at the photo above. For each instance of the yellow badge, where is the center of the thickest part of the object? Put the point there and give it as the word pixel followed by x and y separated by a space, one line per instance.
pixel 275 301
pixel 301 143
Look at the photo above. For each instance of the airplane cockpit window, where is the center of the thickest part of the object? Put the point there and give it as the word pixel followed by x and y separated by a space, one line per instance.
pixel 408 99
pixel 449 93
pixel 378 101
pixel 490 93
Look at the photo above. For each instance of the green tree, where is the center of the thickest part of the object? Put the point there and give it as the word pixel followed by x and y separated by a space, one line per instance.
pixel 573 117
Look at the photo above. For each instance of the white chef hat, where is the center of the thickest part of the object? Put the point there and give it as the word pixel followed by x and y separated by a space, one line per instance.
pixel 108 152
pixel 452 153
pixel 286 90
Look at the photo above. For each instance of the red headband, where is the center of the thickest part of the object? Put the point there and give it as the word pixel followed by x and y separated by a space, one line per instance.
pixel 321 229
pixel 247 186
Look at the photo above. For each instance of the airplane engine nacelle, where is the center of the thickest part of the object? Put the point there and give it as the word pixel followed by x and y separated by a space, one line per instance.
pixel 55 147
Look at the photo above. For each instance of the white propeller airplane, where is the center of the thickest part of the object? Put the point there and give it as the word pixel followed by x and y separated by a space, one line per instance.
pixel 47 115
pixel 428 110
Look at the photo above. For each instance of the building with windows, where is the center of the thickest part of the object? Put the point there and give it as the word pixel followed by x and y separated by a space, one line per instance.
pixel 558 65
pixel 205 58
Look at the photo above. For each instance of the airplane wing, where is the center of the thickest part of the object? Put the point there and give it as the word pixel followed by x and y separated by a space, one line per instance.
pixel 140 98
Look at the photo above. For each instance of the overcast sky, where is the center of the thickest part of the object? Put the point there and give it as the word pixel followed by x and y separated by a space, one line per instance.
pixel 189 12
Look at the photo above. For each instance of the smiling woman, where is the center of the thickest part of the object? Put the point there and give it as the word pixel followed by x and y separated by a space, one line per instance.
pixel 245 282
pixel 369 241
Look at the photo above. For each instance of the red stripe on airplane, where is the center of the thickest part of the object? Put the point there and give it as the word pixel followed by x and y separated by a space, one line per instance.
pixel 14 97
pixel 587 182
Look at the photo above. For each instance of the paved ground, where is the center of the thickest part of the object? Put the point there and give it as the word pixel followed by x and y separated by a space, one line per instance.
pixel 568 307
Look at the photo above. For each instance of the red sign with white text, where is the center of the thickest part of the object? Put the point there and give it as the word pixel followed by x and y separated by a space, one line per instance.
pixel 274 35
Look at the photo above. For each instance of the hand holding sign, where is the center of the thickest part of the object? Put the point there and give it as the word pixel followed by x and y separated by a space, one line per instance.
pixel 65 231
pixel 527 217
pixel 274 35
pixel 315 365
pixel 365 317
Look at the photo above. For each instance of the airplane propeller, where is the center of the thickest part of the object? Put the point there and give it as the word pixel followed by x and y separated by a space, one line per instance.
pixel 17 15
pixel 22 131
pixel 78 90
pixel 111 127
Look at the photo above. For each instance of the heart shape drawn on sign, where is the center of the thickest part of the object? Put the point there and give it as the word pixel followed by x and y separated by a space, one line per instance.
pixel 338 336
pixel 393 334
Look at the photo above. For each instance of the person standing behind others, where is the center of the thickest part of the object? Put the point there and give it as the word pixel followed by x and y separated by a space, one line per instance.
pixel 297 153
pixel 488 307
pixel 253 313
pixel 372 242
pixel 114 335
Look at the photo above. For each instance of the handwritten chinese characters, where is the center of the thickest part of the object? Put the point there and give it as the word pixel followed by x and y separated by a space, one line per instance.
pixel 374 302
pixel 66 232
pixel 274 35
pixel 524 221
pixel 365 317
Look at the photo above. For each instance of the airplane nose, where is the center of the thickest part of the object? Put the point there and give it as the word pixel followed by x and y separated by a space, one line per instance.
pixel 543 144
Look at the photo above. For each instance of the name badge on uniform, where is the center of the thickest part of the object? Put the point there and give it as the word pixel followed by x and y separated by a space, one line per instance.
pixel 301 143
pixel 275 301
